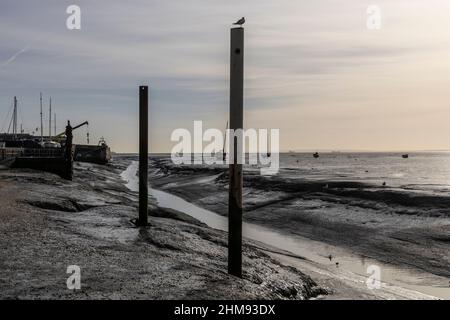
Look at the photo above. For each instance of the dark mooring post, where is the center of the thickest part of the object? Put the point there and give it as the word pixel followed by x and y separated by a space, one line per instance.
pixel 68 153
pixel 236 122
pixel 143 156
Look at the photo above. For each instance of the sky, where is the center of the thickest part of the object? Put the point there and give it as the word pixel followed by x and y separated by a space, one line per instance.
pixel 312 69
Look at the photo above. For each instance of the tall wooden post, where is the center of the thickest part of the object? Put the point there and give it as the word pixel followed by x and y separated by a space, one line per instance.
pixel 143 156
pixel 42 125
pixel 236 180
pixel 50 120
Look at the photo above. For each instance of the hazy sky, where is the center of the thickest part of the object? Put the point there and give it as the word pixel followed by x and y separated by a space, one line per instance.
pixel 312 69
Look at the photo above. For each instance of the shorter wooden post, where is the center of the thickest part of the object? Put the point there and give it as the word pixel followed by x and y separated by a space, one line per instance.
pixel 143 156
pixel 68 152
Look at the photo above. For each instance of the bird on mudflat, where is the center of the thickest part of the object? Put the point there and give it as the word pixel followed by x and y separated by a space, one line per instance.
pixel 240 22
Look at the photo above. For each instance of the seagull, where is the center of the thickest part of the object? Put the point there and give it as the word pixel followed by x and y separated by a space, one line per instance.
pixel 240 22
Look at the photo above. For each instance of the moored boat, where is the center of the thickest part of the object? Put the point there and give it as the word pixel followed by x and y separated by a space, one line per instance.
pixel 100 154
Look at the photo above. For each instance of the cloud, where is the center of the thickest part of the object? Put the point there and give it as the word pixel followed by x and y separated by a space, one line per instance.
pixel 299 56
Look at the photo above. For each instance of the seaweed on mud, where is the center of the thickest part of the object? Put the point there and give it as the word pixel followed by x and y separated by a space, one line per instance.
pixel 208 236
pixel 157 240
pixel 441 238
pixel 173 214
pixel 64 205
pixel 167 167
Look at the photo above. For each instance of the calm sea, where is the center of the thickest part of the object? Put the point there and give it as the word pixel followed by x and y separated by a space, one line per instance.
pixel 425 171
pixel 421 171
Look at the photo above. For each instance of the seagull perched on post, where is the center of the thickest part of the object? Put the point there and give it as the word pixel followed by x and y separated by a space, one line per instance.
pixel 240 22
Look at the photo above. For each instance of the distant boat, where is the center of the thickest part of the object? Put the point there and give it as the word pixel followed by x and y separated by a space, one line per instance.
pixel 405 156
pixel 316 155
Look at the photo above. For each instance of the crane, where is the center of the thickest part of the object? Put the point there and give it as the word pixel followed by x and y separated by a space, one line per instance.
pixel 59 136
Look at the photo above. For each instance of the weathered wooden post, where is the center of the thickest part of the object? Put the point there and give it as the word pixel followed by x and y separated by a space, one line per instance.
pixel 236 180
pixel 68 153
pixel 50 120
pixel 143 156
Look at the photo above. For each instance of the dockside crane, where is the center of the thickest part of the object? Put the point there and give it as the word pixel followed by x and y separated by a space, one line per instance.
pixel 59 137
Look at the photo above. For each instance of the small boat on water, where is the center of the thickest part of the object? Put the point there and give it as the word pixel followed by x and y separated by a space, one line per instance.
pixel 405 156
pixel 316 155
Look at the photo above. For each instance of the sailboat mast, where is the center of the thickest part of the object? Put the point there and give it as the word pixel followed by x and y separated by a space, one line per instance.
pixel 54 123
pixel 15 116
